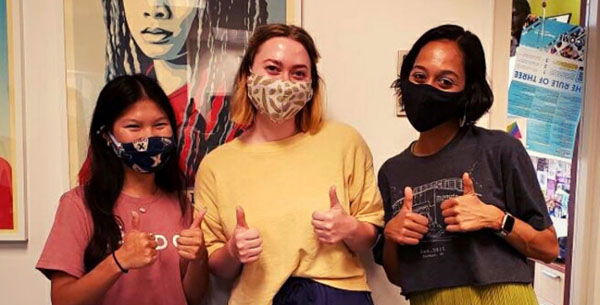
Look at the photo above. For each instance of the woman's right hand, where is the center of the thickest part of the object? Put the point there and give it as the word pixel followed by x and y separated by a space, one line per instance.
pixel 245 244
pixel 138 249
pixel 407 228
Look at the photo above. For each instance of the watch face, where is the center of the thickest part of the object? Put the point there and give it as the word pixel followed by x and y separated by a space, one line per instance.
pixel 508 224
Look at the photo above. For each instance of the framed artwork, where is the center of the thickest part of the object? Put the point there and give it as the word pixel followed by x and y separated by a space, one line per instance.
pixel 191 47
pixel 13 226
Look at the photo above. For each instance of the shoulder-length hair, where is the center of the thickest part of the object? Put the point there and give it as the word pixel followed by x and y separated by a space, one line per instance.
pixel 243 112
pixel 477 90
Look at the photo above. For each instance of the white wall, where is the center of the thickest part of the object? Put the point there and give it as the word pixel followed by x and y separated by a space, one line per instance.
pixel 358 41
pixel 46 149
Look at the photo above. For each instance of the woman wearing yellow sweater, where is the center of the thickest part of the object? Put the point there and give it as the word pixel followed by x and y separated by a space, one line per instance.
pixel 292 201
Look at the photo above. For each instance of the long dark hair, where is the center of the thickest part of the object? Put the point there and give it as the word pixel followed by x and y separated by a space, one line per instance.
pixel 477 90
pixel 103 188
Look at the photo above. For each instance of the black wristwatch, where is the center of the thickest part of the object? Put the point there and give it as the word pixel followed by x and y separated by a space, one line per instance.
pixel 508 222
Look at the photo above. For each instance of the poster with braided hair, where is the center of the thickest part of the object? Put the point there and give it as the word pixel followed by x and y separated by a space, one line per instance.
pixel 191 47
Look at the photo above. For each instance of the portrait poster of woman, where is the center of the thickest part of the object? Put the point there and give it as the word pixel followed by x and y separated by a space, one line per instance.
pixel 191 47
pixel 12 203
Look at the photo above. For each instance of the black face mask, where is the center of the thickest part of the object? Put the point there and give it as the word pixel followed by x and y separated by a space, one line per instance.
pixel 427 107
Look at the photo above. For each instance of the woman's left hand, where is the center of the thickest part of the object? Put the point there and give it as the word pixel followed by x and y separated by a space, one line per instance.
pixel 468 213
pixel 190 244
pixel 334 225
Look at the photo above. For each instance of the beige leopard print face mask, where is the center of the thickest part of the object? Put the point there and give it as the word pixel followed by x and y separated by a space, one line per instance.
pixel 278 99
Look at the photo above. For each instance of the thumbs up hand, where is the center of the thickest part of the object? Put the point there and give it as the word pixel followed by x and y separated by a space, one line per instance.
pixel 245 244
pixel 190 244
pixel 334 225
pixel 468 213
pixel 407 227
pixel 138 249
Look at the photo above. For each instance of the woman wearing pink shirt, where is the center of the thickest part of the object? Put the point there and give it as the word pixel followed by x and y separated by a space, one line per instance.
pixel 127 235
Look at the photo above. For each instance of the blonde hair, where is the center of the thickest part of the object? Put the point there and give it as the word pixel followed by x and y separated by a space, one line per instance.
pixel 309 119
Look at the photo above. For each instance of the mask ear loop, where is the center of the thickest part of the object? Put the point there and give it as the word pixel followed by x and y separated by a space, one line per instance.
pixel 463 119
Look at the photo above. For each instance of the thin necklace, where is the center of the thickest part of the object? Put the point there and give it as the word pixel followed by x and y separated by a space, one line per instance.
pixel 144 206
pixel 143 210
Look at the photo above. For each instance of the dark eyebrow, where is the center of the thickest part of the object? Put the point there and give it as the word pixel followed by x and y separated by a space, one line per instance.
pixel 443 72
pixel 131 121
pixel 299 66
pixel 275 61
pixel 161 118
pixel 279 63
pixel 135 121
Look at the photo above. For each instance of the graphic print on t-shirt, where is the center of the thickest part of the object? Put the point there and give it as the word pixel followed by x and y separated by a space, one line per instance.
pixel 161 240
pixel 427 199
pixel 502 175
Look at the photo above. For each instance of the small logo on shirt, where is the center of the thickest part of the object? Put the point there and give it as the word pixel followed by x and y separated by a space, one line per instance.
pixel 160 239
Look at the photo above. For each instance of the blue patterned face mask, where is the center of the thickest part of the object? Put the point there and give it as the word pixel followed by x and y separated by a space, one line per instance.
pixel 145 155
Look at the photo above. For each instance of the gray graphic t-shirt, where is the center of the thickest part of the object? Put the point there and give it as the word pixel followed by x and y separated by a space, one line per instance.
pixel 502 174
